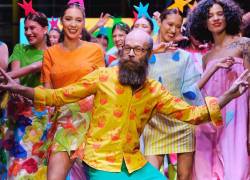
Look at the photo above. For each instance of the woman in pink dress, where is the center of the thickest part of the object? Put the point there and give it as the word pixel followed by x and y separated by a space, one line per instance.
pixel 221 153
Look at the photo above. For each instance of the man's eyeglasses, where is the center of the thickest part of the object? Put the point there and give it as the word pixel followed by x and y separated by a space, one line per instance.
pixel 137 50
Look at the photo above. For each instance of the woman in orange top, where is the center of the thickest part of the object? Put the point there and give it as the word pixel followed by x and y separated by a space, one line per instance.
pixel 63 64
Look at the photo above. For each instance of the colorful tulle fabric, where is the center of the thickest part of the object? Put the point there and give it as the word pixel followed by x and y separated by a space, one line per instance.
pixel 21 138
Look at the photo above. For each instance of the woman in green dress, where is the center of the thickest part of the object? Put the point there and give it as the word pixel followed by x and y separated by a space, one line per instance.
pixel 25 124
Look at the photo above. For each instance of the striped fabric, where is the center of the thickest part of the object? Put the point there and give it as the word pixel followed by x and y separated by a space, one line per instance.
pixel 177 72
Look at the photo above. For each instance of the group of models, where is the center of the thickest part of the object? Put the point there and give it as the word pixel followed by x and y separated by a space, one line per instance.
pixel 70 116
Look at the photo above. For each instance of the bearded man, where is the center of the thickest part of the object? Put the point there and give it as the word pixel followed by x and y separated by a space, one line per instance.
pixel 125 100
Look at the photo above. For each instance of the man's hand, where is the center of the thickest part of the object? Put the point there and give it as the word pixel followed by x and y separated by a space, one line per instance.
pixel 7 83
pixel 238 87
pixel 12 86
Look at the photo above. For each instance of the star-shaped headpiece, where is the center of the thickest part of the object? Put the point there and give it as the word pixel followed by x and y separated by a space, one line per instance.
pixel 80 2
pixel 53 23
pixel 180 4
pixel 27 7
pixel 142 10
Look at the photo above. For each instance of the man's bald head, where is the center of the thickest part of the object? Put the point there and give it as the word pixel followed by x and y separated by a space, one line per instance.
pixel 141 38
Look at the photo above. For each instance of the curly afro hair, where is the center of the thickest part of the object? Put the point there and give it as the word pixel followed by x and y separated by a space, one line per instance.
pixel 197 19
